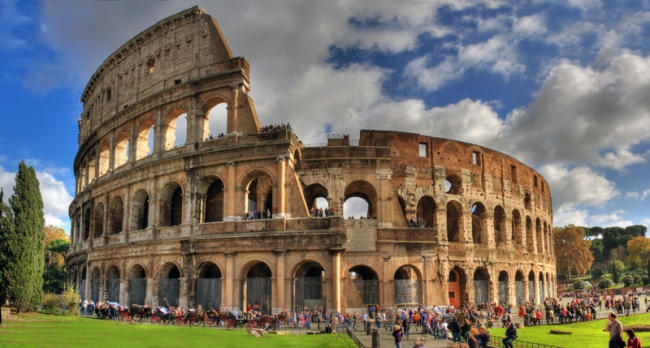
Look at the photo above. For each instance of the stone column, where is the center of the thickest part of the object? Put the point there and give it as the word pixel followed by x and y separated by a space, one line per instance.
pixel 149 297
pixel 230 193
pixel 441 223
pixel 383 207
pixel 489 229
pixel 88 290
pixel 281 192
pixel 111 161
pixel 233 110
pixel 230 275
pixel 158 142
pixel 536 288
pixel 336 278
pixel 465 227
pixel 133 145
pixel 123 294
pixel 508 232
pixel 127 213
pixel 280 280
pixel 182 291
pixel 427 283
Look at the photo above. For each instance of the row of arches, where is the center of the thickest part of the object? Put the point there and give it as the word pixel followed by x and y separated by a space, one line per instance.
pixel 135 142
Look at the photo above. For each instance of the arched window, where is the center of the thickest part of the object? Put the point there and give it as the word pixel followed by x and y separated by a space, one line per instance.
pixel 137 285
pixel 516 227
pixel 527 201
pixel 500 232
pixel 454 216
pixel 217 121
pixel 86 229
pixel 117 215
pixel 208 287
pixel 113 293
pixel 453 184
pixel 169 285
pixel 104 157
pixel 91 167
pixel 408 289
pixel 259 196
pixel 426 213
pixel 309 285
pixel 258 288
pixel 481 286
pixel 140 210
pixel 171 207
pixel 479 234
pixel 99 220
pixel 316 196
pixel 144 140
pixel 366 283
pixel 176 129
pixel 503 287
pixel 121 149
pixel 214 202
pixel 539 235
pixel 359 201
pixel 529 235
pixel 177 207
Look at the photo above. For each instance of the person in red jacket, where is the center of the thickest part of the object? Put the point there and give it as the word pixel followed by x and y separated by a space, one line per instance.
pixel 632 340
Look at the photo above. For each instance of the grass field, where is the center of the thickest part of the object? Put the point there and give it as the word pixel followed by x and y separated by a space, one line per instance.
pixel 69 331
pixel 589 334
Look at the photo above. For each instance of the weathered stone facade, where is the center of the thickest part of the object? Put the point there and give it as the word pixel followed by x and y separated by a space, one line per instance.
pixel 171 221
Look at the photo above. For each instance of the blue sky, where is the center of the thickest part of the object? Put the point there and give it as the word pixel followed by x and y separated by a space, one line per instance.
pixel 563 86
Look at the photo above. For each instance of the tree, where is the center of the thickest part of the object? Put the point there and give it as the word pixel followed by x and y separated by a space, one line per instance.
pixel 572 250
pixel 614 272
pixel 579 285
pixel 23 243
pixel 597 248
pixel 6 228
pixel 638 251
pixel 55 274
pixel 636 230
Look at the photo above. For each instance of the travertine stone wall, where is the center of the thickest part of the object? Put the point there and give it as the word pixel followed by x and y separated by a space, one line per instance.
pixel 444 217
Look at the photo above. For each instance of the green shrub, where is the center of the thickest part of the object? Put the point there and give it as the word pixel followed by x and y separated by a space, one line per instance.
pixel 579 285
pixel 604 283
pixel 637 279
pixel 51 304
pixel 596 273
pixel 645 279
pixel 71 300
pixel 627 280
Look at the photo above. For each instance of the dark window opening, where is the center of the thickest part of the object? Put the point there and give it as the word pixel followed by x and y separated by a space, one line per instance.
pixel 177 81
pixel 108 95
pixel 535 180
pixel 513 174
pixel 214 202
pixel 177 207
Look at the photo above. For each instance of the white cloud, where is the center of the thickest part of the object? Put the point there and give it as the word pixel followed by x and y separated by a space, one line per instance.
pixel 564 216
pixel 611 219
pixel 577 186
pixel 638 195
pixel 621 159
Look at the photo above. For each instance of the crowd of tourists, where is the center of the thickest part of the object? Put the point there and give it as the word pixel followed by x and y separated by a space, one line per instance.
pixel 257 215
pixel 320 212
pixel 273 127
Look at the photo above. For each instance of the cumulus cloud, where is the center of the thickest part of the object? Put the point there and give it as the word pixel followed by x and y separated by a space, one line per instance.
pixel 638 195
pixel 578 186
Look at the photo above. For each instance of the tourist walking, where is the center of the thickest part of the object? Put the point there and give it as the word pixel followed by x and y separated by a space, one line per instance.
pixel 397 334
pixel 615 329
pixel 511 334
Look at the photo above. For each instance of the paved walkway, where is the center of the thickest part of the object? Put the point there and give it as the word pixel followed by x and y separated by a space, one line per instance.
pixel 387 340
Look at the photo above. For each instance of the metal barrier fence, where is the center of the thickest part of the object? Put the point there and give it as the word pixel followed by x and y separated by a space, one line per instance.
pixel 481 291
pixel 113 290
pixel 258 292
pixel 168 289
pixel 137 291
pixel 368 290
pixel 408 291
pixel 208 292
pixel 82 290
pixel 94 290
pixel 498 341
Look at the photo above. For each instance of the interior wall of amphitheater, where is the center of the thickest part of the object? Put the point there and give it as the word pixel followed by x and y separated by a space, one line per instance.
pixel 447 222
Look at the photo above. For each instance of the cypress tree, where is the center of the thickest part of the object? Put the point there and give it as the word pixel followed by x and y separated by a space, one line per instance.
pixel 6 226
pixel 614 273
pixel 24 245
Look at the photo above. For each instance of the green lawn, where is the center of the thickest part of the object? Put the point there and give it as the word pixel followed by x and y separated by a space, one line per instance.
pixel 589 334
pixel 58 331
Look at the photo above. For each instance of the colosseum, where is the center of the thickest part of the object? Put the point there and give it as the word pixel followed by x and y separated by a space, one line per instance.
pixel 167 208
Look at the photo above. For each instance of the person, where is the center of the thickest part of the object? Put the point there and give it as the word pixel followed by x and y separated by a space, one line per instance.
pixel 407 328
pixel 511 334
pixel 483 337
pixel 454 327
pixel 397 334
pixel 473 342
pixel 632 340
pixel 615 329
pixel 328 329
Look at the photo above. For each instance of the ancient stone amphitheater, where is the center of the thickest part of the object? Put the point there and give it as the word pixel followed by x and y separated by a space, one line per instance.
pixel 447 222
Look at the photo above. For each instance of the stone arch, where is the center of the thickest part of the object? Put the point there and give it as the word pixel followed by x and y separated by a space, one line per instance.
pixel 408 286
pixel 529 235
pixel 140 210
pixel 517 233
pixel 479 222
pixel 137 271
pixel 121 149
pixel 453 184
pixel 402 206
pixel 113 283
pixel 104 157
pixel 531 286
pixel 426 212
pixel 364 190
pixel 519 287
pixel 145 130
pixel 308 284
pixel 539 235
pixel 171 207
pixel 454 222
pixel 208 285
pixel 211 196
pixel 169 284
pixel 481 286
pixel 99 220
pixel 213 122
pixel 170 127
pixel 258 193
pixel 95 279
pixel 503 287
pixel 86 226
pixel 257 287
pixel 84 175
pixel 527 201
pixel 366 283
pixel 137 284
pixel 209 270
pixel 457 286
pixel 92 159
pixel 314 191
pixel 167 271
pixel 117 215
pixel 500 233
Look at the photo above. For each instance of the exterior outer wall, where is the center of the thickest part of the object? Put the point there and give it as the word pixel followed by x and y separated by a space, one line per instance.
pixel 386 168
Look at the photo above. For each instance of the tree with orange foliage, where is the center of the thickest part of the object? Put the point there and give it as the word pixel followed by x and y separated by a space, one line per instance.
pixel 638 251
pixel 572 250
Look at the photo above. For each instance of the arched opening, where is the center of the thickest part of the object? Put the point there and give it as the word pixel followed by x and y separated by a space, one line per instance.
pixel 214 199
pixel 516 227
pixel 140 211
pixel 84 175
pixel 91 167
pixel 82 286
pixel 217 122
pixel 456 283
pixel 316 198
pixel 113 293
pixel 503 287
pixel 121 149
pixel 104 157
pixel 308 286
pixel 479 220
pixel 94 285
pixel 144 141
pixel 169 285
pixel 539 235
pixel 453 184
pixel 208 287
pixel 359 200
pixel 542 287
pixel 527 201
pixel 519 288
pixel 137 285
pixel 500 232
pixel 259 196
pixel 257 288
pixel 426 212
pixel 529 235
pixel 531 287
pixel 366 284
pixel 99 220
pixel 176 129
pixel 408 288
pixel 86 229
pixel 481 286
pixel 171 206
pixel 454 211
pixel 117 215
